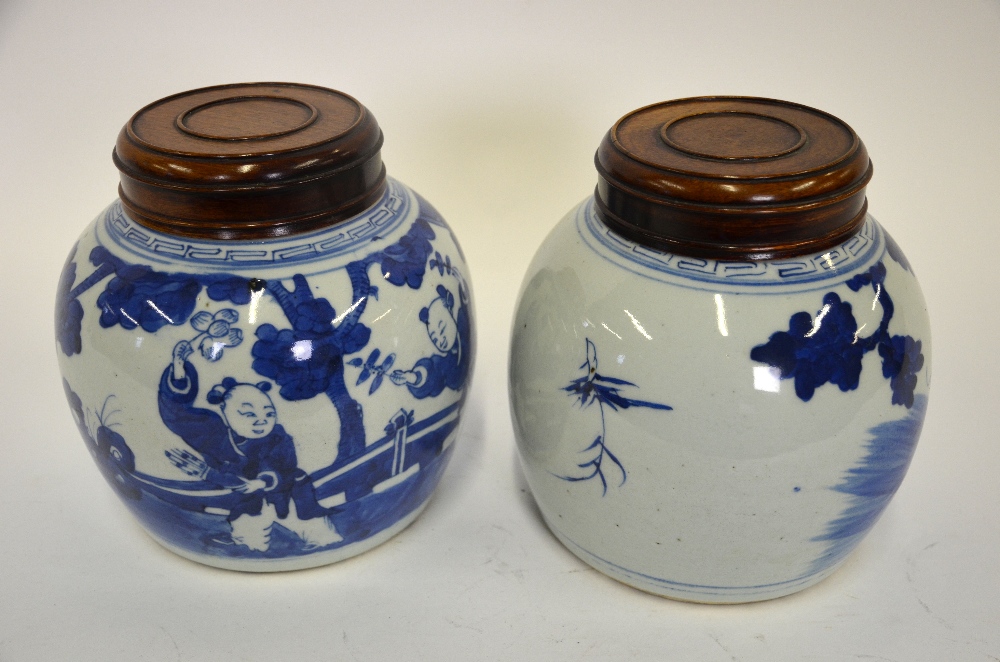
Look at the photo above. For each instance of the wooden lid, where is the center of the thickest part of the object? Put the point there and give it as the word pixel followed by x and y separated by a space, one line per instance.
pixel 733 178
pixel 251 160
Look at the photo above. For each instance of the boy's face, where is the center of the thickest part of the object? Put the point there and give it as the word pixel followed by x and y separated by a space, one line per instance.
pixel 441 326
pixel 249 412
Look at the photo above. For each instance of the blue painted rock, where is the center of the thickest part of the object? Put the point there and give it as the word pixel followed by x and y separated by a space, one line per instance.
pixel 720 362
pixel 265 342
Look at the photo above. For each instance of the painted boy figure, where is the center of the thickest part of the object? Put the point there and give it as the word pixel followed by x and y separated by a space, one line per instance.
pixel 243 449
pixel 451 335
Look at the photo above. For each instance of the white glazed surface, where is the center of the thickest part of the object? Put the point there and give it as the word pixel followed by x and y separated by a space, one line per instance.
pixel 727 496
pixel 116 373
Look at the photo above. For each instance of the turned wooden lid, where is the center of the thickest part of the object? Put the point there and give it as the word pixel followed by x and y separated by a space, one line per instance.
pixel 251 160
pixel 733 178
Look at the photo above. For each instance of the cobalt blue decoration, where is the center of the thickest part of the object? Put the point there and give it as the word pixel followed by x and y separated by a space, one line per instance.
pixel 140 296
pixel 827 348
pixel 896 253
pixel 816 352
pixel 901 361
pixel 239 491
pixel 451 335
pixel 872 483
pixel 111 453
pixel 594 387
pixel 266 351
pixel 69 312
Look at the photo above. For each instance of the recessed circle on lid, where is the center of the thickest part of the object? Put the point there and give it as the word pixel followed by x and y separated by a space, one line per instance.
pixel 733 135
pixel 250 160
pixel 247 118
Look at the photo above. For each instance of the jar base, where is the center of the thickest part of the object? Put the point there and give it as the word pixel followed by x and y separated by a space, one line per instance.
pixel 296 562
pixel 684 592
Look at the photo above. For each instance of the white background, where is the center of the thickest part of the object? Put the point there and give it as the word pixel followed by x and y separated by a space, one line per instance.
pixel 493 112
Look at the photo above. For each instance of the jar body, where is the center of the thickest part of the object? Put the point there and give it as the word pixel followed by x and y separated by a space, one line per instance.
pixel 715 431
pixel 270 404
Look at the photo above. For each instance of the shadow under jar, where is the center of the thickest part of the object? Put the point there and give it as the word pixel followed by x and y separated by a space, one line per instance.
pixel 720 362
pixel 265 342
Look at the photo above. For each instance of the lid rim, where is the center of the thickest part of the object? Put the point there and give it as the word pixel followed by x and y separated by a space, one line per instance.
pixel 145 177
pixel 754 208
pixel 731 252
pixel 256 229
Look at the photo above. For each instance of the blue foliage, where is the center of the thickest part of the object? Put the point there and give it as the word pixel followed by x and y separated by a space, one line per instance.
pixel 404 262
pixel 816 352
pixel 606 391
pixel 138 296
pixel 827 349
pixel 593 387
pixel 235 289
pixel 874 276
pixel 69 311
pixel 896 253
pixel 872 483
pixel 443 265
pixel 595 466
pixel 901 361
pixel 303 359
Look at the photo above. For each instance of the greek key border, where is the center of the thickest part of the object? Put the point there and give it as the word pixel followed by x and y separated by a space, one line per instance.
pixel 833 263
pixel 380 219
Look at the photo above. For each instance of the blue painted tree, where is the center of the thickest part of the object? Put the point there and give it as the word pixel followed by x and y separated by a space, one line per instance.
pixel 606 392
pixel 135 297
pixel 827 348
pixel 308 359
pixel 305 360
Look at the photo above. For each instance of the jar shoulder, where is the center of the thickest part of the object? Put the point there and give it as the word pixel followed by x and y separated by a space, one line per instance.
pixel 401 214
pixel 581 241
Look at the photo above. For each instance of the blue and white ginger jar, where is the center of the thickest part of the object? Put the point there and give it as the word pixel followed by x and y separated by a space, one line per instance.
pixel 267 403
pixel 722 429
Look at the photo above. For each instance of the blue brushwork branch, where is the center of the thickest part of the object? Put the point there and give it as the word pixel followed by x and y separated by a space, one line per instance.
pixel 872 483
pixel 828 348
pixel 371 367
pixel 308 359
pixel 605 391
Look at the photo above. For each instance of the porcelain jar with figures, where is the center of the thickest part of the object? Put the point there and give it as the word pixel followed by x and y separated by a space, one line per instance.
pixel 265 342
pixel 720 362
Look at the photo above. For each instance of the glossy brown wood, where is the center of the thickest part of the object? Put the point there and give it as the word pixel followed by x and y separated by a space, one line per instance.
pixel 732 178
pixel 249 161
